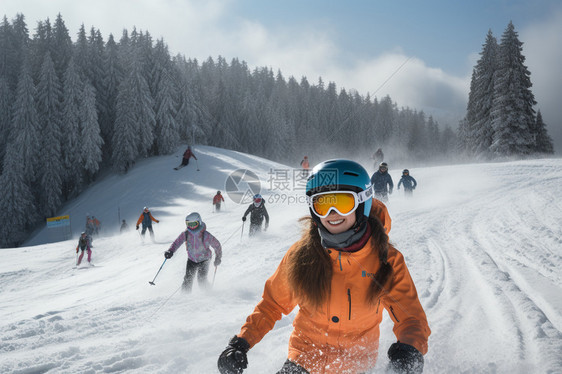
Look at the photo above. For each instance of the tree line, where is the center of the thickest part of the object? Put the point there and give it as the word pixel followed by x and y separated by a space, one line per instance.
pixel 500 117
pixel 72 109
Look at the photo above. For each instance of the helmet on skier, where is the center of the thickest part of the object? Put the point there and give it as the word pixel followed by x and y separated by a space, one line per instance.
pixel 145 208
pixel 340 185
pixel 405 172
pixel 193 221
pixel 383 166
pixel 218 192
pixel 257 200
pixel 83 233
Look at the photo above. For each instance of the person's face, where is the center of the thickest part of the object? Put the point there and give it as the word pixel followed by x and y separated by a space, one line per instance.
pixel 383 169
pixel 146 210
pixel 336 223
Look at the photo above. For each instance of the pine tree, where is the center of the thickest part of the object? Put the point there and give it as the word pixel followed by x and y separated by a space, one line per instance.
pixel 512 111
pixel 16 199
pixel 5 116
pixel 126 136
pixel 70 125
pixel 82 55
pixel 25 124
pixel 61 48
pixel 483 95
pixel 90 137
pixel 543 142
pixel 166 126
pixel 112 78
pixel 466 132
pixel 49 112
pixel 9 56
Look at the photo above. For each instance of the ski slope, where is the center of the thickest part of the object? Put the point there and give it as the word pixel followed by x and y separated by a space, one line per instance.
pixel 483 243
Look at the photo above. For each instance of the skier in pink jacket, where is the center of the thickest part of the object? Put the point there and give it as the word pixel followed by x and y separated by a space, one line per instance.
pixel 197 242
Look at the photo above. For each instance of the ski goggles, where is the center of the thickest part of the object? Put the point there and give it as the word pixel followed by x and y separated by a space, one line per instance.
pixel 192 224
pixel 343 202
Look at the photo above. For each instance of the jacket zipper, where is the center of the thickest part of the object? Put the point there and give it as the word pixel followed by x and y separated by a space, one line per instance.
pixel 392 311
pixel 349 300
pixel 339 256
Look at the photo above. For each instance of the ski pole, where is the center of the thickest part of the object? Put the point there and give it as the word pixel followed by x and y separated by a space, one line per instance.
pixel 197 163
pixel 242 233
pixel 214 275
pixel 76 258
pixel 158 273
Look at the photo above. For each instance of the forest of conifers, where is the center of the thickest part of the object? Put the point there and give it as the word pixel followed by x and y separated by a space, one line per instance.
pixel 71 109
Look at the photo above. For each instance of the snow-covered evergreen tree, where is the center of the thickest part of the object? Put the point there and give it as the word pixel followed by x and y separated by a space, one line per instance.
pixel 483 95
pixel 5 117
pixel 113 76
pixel 512 111
pixel 61 48
pixel 166 126
pixel 90 136
pixel 466 133
pixel 26 128
pixel 16 199
pixel 49 93
pixel 543 142
pixel 126 136
pixel 70 125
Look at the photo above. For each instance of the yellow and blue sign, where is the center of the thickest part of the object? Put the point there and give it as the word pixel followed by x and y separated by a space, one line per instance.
pixel 58 221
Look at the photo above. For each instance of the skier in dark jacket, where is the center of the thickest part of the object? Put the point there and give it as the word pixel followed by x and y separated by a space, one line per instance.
pixel 257 213
pixel 186 156
pixel 408 181
pixel 146 220
pixel 382 183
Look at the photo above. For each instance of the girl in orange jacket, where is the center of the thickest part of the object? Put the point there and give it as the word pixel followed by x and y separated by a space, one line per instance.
pixel 342 273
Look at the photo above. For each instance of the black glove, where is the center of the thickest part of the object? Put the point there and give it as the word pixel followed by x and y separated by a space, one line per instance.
pixel 217 261
pixel 233 359
pixel 243 219
pixel 168 254
pixel 137 227
pixel 404 359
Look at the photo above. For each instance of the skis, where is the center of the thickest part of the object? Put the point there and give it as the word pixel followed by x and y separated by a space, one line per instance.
pixel 179 167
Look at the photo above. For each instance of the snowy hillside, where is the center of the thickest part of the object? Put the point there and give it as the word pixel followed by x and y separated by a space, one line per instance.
pixel 483 243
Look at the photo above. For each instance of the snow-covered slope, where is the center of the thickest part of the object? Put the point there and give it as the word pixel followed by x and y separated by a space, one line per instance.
pixel 483 243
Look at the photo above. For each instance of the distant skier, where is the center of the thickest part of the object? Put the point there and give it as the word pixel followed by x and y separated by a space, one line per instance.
pixel 186 156
pixel 378 157
pixel 257 213
pixel 382 183
pixel 305 166
pixel 84 244
pixel 198 242
pixel 146 220
pixel 97 225
pixel 90 226
pixel 408 181
pixel 124 227
pixel 217 201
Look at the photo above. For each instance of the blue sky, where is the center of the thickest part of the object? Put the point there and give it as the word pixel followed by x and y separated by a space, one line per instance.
pixel 356 44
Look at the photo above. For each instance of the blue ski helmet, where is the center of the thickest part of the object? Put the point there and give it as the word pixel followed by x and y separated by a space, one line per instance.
pixel 340 175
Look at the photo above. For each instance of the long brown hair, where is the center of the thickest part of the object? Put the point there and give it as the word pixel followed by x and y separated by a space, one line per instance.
pixel 310 266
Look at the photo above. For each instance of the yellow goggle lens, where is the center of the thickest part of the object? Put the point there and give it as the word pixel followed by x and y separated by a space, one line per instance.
pixel 343 202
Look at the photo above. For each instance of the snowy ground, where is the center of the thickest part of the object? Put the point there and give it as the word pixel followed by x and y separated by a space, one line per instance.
pixel 483 243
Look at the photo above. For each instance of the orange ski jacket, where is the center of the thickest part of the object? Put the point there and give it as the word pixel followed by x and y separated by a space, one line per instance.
pixel 342 336
pixel 142 219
